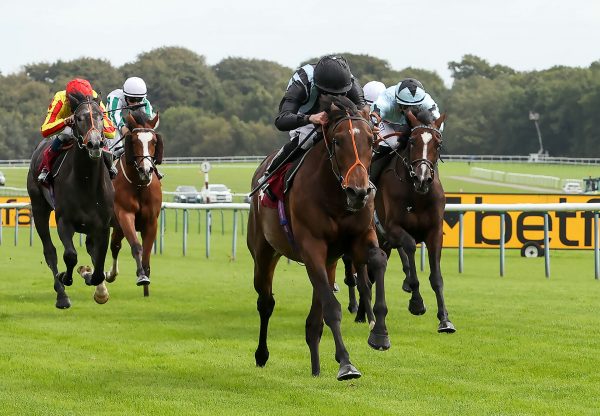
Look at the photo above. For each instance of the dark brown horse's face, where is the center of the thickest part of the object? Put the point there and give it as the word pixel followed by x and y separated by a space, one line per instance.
pixel 89 127
pixel 424 151
pixel 143 147
pixel 350 141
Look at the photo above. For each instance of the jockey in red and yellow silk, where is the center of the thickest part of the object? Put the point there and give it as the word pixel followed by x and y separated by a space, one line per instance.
pixel 59 120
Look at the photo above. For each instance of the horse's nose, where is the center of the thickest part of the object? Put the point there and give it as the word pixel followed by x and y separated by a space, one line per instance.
pixel 357 197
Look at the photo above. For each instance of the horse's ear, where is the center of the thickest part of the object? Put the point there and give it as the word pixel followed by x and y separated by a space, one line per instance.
pixel 155 121
pixel 129 120
pixel 439 121
pixel 98 97
pixel 73 101
pixel 158 149
pixel 128 145
pixel 413 121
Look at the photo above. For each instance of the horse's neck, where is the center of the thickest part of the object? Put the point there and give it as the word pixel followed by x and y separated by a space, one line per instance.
pixel 85 167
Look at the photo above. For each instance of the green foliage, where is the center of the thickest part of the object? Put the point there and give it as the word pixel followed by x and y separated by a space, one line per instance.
pixel 229 108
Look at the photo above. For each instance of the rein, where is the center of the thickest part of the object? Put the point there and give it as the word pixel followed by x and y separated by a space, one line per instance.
pixel 413 165
pixel 83 140
pixel 343 180
pixel 141 158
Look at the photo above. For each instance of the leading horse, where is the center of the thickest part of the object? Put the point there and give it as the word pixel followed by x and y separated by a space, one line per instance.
pixel 330 211
pixel 138 195
pixel 409 208
pixel 82 198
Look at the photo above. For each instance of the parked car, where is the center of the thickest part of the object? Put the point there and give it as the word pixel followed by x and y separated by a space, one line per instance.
pixel 2 179
pixel 216 192
pixel 572 188
pixel 187 193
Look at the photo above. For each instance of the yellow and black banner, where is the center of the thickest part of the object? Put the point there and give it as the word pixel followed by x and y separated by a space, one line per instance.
pixel 570 230
pixel 9 214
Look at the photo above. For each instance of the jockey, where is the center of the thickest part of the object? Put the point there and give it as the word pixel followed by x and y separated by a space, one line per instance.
pixel 298 110
pixel 134 92
pixel 59 121
pixel 391 106
pixel 372 90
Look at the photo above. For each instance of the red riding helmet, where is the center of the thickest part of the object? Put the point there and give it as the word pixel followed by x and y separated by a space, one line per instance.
pixel 79 86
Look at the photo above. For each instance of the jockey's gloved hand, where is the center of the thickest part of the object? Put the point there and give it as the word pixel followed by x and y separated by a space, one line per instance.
pixel 124 131
pixel 70 121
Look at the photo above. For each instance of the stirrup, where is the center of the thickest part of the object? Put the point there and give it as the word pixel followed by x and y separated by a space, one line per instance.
pixel 43 176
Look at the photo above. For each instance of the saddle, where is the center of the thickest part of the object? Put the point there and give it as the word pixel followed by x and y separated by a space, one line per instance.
pixel 281 182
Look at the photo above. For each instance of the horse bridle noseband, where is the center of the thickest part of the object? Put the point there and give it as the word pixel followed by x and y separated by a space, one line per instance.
pixel 81 140
pixel 331 151
pixel 412 166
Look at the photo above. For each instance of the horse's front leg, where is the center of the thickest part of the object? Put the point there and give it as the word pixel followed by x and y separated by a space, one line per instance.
pixel 127 223
pixel 434 249
pixel 65 233
pixel 99 240
pixel 314 253
pixel 350 280
pixel 148 237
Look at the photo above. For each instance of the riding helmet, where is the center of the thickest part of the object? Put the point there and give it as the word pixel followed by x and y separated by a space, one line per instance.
pixel 409 91
pixel 135 87
pixel 79 86
pixel 332 75
pixel 372 89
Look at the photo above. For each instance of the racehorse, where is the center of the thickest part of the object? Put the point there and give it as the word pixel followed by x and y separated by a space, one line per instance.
pixel 138 195
pixel 82 198
pixel 409 208
pixel 330 211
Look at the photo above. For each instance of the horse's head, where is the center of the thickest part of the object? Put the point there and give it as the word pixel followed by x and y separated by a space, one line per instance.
pixel 423 148
pixel 349 140
pixel 89 123
pixel 143 147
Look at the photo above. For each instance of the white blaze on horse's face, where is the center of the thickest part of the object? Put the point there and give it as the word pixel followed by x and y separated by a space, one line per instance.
pixel 426 137
pixel 146 137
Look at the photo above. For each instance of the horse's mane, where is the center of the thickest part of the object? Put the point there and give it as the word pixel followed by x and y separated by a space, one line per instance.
pixel 344 106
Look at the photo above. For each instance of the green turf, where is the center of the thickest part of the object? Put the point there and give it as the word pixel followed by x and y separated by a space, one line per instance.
pixel 524 344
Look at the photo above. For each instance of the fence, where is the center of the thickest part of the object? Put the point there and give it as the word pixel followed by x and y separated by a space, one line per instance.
pixel 460 208
pixel 448 158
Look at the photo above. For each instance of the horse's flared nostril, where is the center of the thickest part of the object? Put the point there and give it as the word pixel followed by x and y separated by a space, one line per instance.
pixel 356 194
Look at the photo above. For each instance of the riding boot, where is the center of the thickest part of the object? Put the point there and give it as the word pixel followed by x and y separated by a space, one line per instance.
pixel 107 156
pixel 49 156
pixel 281 156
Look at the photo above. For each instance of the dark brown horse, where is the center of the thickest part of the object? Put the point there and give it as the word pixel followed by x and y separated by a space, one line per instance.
pixel 138 195
pixel 409 208
pixel 82 198
pixel 330 210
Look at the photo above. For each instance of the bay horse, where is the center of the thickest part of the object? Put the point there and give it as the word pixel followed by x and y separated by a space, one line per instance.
pixel 82 197
pixel 138 195
pixel 330 211
pixel 409 208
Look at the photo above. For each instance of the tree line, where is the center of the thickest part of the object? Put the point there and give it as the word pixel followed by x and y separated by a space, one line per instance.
pixel 229 108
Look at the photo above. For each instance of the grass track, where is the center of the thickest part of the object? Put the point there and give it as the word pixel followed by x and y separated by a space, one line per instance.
pixel 524 345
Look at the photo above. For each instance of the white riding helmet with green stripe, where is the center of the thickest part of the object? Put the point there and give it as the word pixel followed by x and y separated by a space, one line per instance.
pixel 135 87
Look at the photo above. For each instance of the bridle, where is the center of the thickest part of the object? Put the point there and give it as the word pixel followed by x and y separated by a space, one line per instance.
pixel 139 159
pixel 413 165
pixel 82 140
pixel 343 180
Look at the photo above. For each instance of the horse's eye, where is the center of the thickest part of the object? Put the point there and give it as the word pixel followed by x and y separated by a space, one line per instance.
pixel 336 142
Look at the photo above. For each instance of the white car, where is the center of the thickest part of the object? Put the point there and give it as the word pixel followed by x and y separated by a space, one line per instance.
pixel 2 179
pixel 216 192
pixel 572 188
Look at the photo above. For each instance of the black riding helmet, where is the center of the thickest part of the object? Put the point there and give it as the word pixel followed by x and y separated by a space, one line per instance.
pixel 332 75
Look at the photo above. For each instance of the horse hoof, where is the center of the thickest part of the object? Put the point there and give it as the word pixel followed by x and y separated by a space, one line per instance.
pixel 352 309
pixel 348 372
pixel 64 279
pixel 109 277
pixel 379 342
pixel 100 300
pixel 406 287
pixel 63 303
pixel 142 281
pixel 360 319
pixel 261 357
pixel 446 327
pixel 416 307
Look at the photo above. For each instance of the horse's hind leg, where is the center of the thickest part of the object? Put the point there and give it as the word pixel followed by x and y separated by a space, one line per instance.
pixel 407 247
pixel 434 248
pixel 264 268
pixel 115 246
pixel 350 280
pixel 41 216
pixel 127 223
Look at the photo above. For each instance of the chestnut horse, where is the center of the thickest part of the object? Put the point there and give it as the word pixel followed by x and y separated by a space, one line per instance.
pixel 330 211
pixel 82 197
pixel 138 195
pixel 409 208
